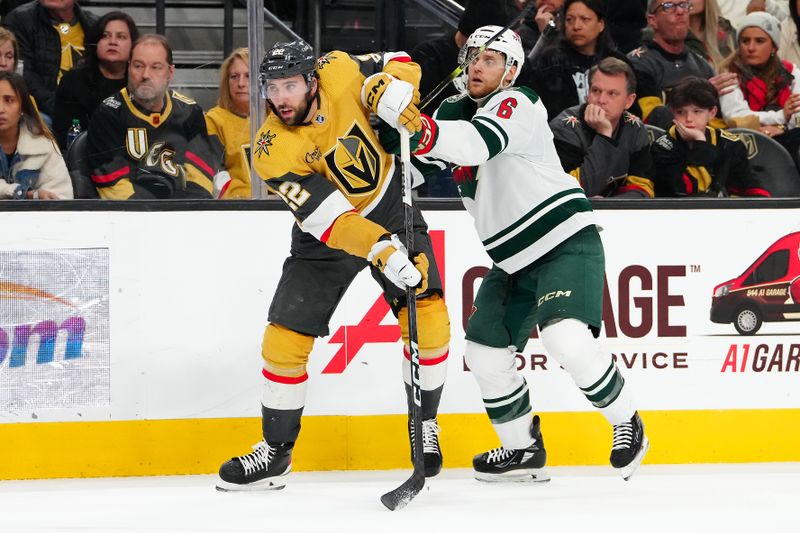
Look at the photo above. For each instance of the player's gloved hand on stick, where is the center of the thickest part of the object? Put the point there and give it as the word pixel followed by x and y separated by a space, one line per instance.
pixel 391 258
pixel 393 100
pixel 420 142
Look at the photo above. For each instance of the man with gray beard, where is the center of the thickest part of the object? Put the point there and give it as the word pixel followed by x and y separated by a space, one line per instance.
pixel 148 141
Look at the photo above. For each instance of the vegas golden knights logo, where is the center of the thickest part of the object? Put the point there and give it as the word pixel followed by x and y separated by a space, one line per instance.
pixel 157 155
pixel 749 141
pixel 355 162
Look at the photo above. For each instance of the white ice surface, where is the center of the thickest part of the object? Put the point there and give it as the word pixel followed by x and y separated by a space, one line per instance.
pixel 762 498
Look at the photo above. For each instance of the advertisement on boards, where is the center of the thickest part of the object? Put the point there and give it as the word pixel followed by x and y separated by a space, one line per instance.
pixel 693 323
pixel 54 329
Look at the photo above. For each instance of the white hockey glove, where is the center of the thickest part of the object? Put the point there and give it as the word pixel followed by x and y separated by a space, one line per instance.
pixel 391 258
pixel 393 100
pixel 221 181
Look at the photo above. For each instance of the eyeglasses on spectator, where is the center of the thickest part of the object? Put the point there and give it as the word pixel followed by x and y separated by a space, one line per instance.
pixel 670 7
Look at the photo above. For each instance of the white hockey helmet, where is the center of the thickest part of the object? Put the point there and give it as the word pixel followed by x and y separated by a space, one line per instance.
pixel 508 43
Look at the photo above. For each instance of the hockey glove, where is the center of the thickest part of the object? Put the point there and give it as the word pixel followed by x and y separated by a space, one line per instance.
pixel 392 100
pixel 222 180
pixel 391 258
pixel 420 143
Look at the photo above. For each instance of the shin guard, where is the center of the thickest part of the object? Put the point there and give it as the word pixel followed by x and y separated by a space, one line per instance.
pixel 504 392
pixel 434 343
pixel 285 354
pixel 572 344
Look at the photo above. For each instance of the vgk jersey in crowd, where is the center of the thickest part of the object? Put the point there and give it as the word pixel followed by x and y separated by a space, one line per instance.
pixel 72 49
pixel 717 167
pixel 134 153
pixel 657 72
pixel 334 162
pixel 233 133
pixel 605 166
pixel 510 179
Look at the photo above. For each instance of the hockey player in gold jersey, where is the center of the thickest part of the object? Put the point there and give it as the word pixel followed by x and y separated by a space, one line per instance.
pixel 318 152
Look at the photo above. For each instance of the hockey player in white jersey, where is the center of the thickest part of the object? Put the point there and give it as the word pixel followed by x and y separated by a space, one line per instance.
pixel 538 227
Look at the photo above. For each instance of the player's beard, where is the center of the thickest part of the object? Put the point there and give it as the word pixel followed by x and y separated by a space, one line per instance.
pixel 300 111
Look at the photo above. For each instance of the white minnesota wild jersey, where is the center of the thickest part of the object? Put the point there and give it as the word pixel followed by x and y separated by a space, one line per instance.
pixel 510 177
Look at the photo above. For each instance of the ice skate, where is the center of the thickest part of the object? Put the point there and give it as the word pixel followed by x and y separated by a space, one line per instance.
pixel 629 446
pixel 431 452
pixel 504 465
pixel 265 468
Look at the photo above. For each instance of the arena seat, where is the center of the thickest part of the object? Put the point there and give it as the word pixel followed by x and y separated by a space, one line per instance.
pixel 78 165
pixel 654 132
pixel 771 162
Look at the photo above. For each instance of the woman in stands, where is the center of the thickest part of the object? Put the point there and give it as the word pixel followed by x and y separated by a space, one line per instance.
pixel 102 72
pixel 768 95
pixel 31 166
pixel 9 51
pixel 561 70
pixel 711 35
pixel 228 121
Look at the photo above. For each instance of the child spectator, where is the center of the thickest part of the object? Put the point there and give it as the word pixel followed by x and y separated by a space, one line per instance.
pixel 31 167
pixel 694 159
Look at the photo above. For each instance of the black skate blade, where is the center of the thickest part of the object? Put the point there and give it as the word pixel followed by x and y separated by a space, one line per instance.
pixel 529 475
pixel 223 486
pixel 627 471
pixel 398 498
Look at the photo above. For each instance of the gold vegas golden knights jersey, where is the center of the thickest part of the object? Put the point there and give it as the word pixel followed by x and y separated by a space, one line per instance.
pixel 233 132
pixel 134 153
pixel 333 164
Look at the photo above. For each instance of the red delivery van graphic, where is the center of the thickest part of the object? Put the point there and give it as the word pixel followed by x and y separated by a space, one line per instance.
pixel 768 291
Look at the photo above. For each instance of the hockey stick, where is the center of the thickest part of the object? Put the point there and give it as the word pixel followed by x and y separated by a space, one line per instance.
pixel 475 53
pixel 399 497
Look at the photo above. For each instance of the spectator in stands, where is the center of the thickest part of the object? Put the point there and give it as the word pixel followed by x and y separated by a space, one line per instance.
pixel 625 21
pixel 148 141
pixel 710 35
pixel 51 40
pixel 102 72
pixel 544 29
pixel 694 159
pixel 665 59
pixel 31 166
pixel 736 10
pixel 790 39
pixel 9 51
pixel 600 143
pixel 767 97
pixel 562 69
pixel 228 121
